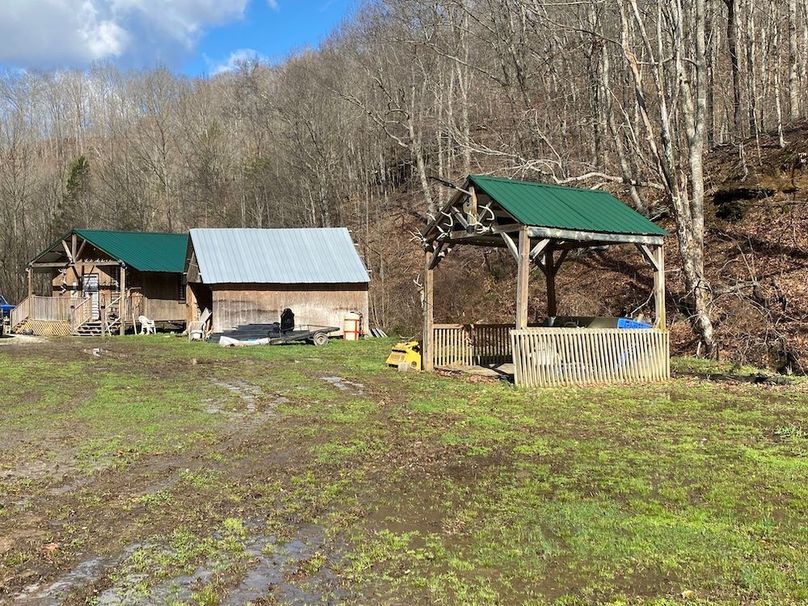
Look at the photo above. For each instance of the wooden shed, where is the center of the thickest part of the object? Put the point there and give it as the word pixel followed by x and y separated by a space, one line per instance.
pixel 101 281
pixel 540 225
pixel 248 276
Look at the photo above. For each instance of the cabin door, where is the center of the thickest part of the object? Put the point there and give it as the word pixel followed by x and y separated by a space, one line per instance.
pixel 90 288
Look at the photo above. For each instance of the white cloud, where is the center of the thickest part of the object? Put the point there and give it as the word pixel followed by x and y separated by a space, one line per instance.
pixel 74 33
pixel 273 4
pixel 234 61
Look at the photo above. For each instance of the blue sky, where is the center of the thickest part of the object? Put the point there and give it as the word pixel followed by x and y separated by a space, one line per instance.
pixel 271 32
pixel 194 37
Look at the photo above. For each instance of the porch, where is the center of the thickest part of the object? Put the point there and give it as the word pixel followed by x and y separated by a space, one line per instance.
pixel 65 316
pixel 540 226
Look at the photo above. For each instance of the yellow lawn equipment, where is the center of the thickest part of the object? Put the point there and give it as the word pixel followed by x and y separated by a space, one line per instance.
pixel 405 356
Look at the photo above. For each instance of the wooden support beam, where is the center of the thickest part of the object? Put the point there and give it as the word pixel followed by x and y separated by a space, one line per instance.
pixel 122 300
pixel 537 250
pixel 30 272
pixel 591 236
pixel 511 245
pixel 68 252
pixel 566 245
pixel 560 260
pixel 433 263
pixel 550 276
pixel 73 248
pixel 40 265
pixel 427 342
pixel 659 287
pixel 473 205
pixel 523 278
pixel 650 255
pixel 191 308
pixel 77 256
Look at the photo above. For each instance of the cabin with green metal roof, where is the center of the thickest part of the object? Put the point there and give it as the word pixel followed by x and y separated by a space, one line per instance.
pixel 540 225
pixel 103 282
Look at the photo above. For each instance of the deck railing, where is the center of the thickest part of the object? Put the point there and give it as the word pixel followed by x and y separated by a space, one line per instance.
pixel 546 357
pixel 51 309
pixel 81 313
pixel 21 313
pixel 471 344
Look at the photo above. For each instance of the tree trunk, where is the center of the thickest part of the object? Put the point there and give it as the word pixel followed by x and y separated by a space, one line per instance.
pixel 793 60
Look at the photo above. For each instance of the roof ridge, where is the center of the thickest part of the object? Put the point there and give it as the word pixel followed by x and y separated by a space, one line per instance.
pixel 126 231
pixel 264 228
pixel 540 184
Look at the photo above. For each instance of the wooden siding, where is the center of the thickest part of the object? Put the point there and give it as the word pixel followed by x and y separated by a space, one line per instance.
pixel 549 357
pixel 317 304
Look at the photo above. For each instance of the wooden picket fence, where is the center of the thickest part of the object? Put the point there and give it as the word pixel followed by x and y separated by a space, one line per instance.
pixel 548 357
pixel 457 345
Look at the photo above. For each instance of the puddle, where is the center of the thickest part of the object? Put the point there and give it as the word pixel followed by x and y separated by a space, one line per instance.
pixel 249 394
pixel 179 589
pixel 356 389
pixel 83 574
pixel 274 566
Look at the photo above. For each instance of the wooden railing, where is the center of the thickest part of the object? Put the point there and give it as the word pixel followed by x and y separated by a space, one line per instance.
pixel 471 344
pixel 82 312
pixel 51 309
pixel 451 345
pixel 545 357
pixel 21 313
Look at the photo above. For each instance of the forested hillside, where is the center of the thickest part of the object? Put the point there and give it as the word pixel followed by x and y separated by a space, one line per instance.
pixel 690 111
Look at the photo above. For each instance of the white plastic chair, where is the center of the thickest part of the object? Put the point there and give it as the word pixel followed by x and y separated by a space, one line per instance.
pixel 146 325
pixel 198 330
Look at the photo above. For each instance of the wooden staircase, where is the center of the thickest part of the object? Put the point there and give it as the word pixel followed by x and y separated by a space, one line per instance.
pixel 85 325
pixel 95 328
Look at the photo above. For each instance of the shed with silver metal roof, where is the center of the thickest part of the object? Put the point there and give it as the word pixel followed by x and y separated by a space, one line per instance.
pixel 248 276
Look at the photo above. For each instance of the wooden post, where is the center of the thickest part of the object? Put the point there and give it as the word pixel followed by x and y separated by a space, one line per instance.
pixel 659 287
pixel 473 204
pixel 427 343
pixel 550 275
pixel 30 272
pixel 122 301
pixel 522 280
pixel 191 308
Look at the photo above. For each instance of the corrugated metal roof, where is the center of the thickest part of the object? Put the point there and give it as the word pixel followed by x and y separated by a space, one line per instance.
pixel 277 256
pixel 145 251
pixel 559 207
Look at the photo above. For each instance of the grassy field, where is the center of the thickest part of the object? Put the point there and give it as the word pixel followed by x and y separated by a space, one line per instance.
pixel 158 471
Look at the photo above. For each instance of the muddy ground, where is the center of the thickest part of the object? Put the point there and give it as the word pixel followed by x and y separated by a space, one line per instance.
pixel 148 470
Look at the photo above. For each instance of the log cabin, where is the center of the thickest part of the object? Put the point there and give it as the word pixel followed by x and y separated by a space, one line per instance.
pixel 248 276
pixel 101 282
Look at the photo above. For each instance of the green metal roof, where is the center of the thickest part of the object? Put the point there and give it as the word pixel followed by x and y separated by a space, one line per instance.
pixel 541 205
pixel 144 251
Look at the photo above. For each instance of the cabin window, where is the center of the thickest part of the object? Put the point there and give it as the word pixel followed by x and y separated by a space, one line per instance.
pixel 181 297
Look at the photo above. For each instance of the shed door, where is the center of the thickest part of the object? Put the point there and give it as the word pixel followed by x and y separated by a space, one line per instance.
pixel 90 288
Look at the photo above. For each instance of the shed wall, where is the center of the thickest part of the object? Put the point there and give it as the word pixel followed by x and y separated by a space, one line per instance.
pixel 318 304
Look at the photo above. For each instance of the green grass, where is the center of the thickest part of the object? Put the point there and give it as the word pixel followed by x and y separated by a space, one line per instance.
pixel 421 489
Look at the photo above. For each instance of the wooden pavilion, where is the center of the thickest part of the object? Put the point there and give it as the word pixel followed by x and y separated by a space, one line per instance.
pixel 539 225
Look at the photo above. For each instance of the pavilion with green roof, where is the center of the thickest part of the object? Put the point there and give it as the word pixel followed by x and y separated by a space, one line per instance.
pixel 103 281
pixel 539 225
